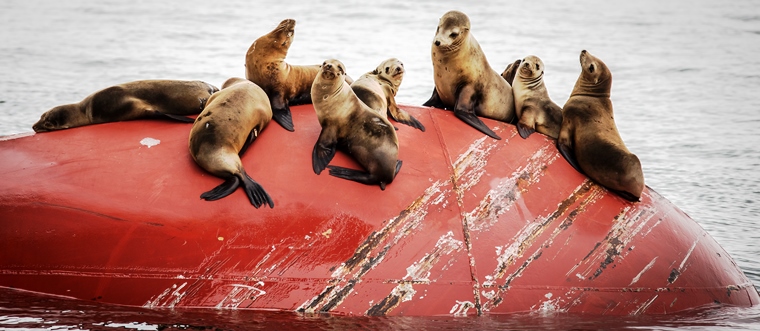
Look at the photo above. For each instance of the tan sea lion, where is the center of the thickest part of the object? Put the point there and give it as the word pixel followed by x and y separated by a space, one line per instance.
pixel 349 124
pixel 285 84
pixel 169 99
pixel 377 89
pixel 589 139
pixel 232 120
pixel 464 81
pixel 535 110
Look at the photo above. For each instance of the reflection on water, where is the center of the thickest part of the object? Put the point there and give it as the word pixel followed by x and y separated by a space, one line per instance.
pixel 685 89
pixel 36 312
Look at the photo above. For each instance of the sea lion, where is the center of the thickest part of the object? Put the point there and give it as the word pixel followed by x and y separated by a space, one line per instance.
pixel 589 139
pixel 349 124
pixel 285 84
pixel 169 99
pixel 464 81
pixel 535 110
pixel 377 89
pixel 510 71
pixel 234 117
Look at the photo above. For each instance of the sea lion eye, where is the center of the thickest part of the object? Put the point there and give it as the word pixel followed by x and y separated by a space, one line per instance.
pixel 591 68
pixel 538 66
pixel 453 35
pixel 387 70
pixel 340 67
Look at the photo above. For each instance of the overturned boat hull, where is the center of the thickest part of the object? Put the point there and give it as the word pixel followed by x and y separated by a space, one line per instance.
pixel 471 225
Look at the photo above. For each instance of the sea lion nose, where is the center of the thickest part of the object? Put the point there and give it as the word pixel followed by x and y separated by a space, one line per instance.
pixel 328 66
pixel 583 51
pixel 437 43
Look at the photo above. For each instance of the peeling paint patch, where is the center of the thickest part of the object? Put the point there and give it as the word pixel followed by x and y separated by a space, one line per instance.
pixel 372 251
pixel 150 142
pixel 648 266
pixel 401 293
pixel 641 309
pixel 168 298
pixel 240 293
pixel 461 308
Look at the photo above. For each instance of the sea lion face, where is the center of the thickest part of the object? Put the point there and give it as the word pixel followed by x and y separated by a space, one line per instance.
pixel 594 71
pixel 57 118
pixel 391 70
pixel 282 35
pixel 332 69
pixel 531 67
pixel 452 30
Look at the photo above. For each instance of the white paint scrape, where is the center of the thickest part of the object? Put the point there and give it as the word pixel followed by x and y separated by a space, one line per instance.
pixel 150 142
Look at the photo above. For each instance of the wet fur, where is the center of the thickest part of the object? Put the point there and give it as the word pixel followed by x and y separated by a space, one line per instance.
pixel 464 81
pixel 285 84
pixel 351 126
pixel 144 99
pixel 232 120
pixel 589 138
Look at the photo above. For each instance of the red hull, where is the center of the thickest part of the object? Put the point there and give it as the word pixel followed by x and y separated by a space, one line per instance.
pixel 470 225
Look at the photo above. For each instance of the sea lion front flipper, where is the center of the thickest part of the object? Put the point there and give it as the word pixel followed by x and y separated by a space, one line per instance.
pixel 256 194
pixel 355 175
pixel 524 130
pixel 526 124
pixel 405 118
pixel 568 154
pixel 281 113
pixel 625 195
pixel 248 141
pixel 464 109
pixel 511 71
pixel 324 149
pixel 398 167
pixel 223 190
pixel 180 118
pixel 435 100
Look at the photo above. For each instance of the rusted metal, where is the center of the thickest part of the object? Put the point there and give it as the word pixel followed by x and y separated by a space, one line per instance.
pixel 471 225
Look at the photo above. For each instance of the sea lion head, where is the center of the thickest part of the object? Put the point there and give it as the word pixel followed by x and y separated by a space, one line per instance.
pixel 59 118
pixel 330 78
pixel 391 70
pixel 280 38
pixel 595 76
pixel 452 30
pixel 531 68
pixel 232 81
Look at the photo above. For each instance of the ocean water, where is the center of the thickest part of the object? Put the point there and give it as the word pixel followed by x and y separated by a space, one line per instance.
pixel 686 95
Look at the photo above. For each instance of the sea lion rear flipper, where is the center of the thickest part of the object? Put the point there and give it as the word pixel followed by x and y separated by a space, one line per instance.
pixel 324 149
pixel 568 154
pixel 256 194
pixel 180 118
pixel 434 101
pixel 355 175
pixel 281 113
pixel 223 190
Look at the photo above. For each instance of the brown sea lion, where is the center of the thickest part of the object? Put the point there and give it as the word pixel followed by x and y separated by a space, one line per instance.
pixel 347 123
pixel 285 84
pixel 589 139
pixel 464 81
pixel 377 89
pixel 234 117
pixel 169 99
pixel 535 110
